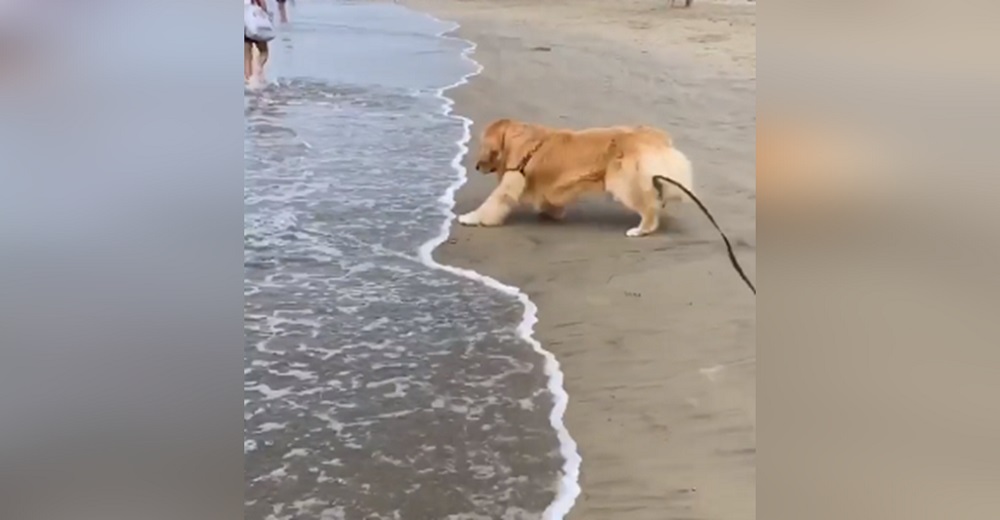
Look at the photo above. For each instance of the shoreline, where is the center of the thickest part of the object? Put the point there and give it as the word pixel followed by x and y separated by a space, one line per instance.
pixel 658 352
pixel 569 485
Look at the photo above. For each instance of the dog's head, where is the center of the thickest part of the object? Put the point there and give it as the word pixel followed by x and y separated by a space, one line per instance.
pixel 493 146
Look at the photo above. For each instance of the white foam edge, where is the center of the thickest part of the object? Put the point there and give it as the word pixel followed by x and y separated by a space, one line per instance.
pixel 569 485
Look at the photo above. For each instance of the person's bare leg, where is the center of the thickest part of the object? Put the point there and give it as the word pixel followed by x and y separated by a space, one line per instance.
pixel 247 60
pixel 283 12
pixel 263 55
pixel 495 209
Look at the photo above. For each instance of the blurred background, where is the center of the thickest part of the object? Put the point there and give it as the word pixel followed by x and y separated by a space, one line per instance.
pixel 120 299
pixel 878 244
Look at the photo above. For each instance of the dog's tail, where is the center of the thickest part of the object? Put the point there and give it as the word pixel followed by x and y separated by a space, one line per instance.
pixel 658 181
pixel 675 165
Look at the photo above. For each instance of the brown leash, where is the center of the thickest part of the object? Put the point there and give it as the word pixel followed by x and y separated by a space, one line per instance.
pixel 729 246
pixel 528 157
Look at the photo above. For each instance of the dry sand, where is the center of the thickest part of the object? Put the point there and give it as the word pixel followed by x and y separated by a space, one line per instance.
pixel 656 335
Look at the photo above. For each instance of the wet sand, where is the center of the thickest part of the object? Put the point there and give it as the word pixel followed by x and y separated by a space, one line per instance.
pixel 656 335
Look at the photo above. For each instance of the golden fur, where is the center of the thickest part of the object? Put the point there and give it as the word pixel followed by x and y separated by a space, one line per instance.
pixel 561 165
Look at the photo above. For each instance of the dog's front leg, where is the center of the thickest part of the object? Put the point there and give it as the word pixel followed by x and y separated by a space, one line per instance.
pixel 548 211
pixel 494 210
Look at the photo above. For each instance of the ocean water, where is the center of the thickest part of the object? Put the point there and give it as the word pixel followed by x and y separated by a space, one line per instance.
pixel 376 385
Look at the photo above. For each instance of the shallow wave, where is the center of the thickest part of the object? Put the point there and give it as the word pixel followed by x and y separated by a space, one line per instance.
pixel 376 386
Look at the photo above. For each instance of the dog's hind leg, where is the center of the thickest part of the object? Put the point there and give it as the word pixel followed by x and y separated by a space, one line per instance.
pixel 495 209
pixel 642 201
pixel 650 214
pixel 626 186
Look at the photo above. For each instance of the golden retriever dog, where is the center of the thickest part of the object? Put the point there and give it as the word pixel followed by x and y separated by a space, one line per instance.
pixel 550 168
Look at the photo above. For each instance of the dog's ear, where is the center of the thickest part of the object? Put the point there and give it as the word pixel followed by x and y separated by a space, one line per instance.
pixel 518 142
pixel 497 132
pixel 491 146
pixel 495 140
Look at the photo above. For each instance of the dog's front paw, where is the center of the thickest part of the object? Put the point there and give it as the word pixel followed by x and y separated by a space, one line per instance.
pixel 469 219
